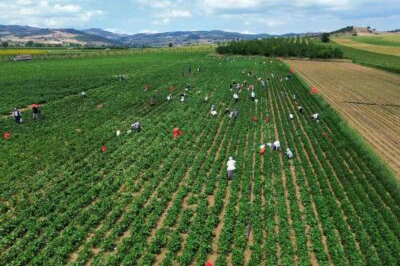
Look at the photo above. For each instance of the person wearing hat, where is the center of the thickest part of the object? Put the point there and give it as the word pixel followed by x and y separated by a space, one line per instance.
pixel 231 168
pixel 35 111
pixel 17 115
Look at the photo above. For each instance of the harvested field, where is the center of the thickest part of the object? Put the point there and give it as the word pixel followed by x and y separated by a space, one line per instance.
pixel 369 99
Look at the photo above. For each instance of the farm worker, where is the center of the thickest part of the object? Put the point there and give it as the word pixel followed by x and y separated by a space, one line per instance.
pixel 235 114
pixel 177 132
pixel 300 108
pixel 118 133
pixel 294 96
pixel 104 149
pixel 282 94
pixel 315 117
pixel 213 108
pixel 231 168
pixel 169 97
pixel 171 89
pixel 209 264
pixel 291 116
pixel 255 119
pixel 262 149
pixel 256 101
pixel 7 135
pixel 236 97
pixel 199 69
pixel 182 97
pixel 136 126
pixel 206 98
pixel 289 153
pixel 146 87
pixel 276 145
pixel 272 75
pixel 263 84
pixel 129 132
pixel 35 111
pixel 213 113
pixel 227 111
pixel 17 116
pixel 83 94
pixel 230 87
pixel 152 102
pixel 253 95
pixel 267 119
pixel 190 70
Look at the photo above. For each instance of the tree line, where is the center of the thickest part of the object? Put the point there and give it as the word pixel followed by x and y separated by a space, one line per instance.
pixel 284 47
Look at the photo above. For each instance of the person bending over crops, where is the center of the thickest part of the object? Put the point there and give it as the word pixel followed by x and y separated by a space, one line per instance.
pixel 17 116
pixel 315 117
pixel 289 153
pixel 291 116
pixel 169 97
pixel 152 101
pixel 182 97
pixel 276 146
pixel 227 111
pixel 83 94
pixel 177 132
pixel 136 126
pixel 300 108
pixel 231 167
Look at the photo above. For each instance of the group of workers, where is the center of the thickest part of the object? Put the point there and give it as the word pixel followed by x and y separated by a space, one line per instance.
pixel 231 164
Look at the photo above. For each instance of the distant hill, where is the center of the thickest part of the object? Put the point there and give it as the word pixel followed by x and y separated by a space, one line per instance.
pixel 16 34
pixel 23 34
pixel 352 30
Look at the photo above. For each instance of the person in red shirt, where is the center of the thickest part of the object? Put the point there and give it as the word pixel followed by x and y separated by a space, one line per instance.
pixel 267 119
pixel 177 132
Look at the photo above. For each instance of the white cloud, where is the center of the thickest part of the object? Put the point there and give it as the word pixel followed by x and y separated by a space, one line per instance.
pixel 45 13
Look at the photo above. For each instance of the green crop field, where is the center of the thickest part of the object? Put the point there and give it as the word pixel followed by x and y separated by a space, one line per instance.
pixel 385 40
pixel 152 199
pixel 382 61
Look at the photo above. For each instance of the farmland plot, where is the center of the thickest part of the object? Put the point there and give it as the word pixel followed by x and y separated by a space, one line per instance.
pixel 375 48
pixel 369 99
pixel 151 199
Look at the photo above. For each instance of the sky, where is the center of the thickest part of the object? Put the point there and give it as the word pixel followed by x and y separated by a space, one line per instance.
pixel 245 16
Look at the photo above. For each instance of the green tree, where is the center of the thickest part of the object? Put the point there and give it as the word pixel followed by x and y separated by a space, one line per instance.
pixel 325 37
pixel 29 44
pixel 4 44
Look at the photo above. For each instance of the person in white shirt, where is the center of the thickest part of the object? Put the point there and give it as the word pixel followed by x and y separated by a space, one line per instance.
pixel 256 101
pixel 289 153
pixel 231 167
pixel 291 116
pixel 236 97
pixel 315 117
pixel 169 97
pixel 253 95
pixel 276 145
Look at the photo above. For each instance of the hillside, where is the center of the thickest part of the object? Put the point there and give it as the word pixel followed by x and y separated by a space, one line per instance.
pixel 97 37
pixel 352 30
pixel 22 34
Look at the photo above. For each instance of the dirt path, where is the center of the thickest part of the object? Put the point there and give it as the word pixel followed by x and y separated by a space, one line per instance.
pixel 367 98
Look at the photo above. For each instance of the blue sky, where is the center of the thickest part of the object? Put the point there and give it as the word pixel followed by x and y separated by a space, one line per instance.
pixel 246 16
